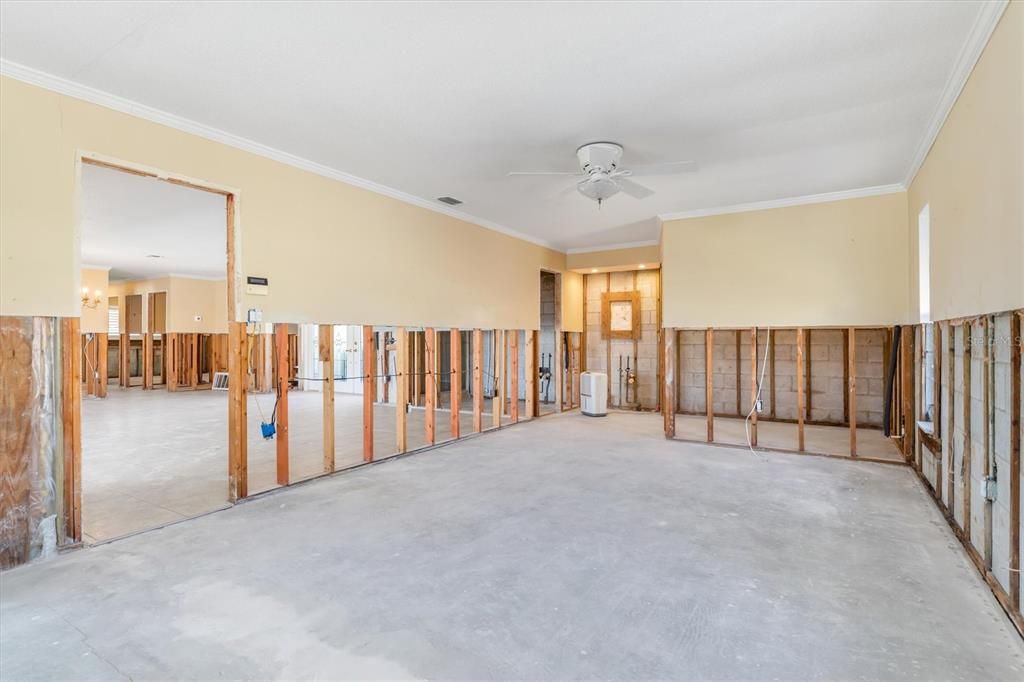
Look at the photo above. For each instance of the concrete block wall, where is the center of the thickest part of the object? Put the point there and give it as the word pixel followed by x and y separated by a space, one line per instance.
pixel 946 373
pixel 978 445
pixel 990 367
pixel 548 314
pixel 1000 442
pixel 870 371
pixel 827 366
pixel 646 350
pixel 958 425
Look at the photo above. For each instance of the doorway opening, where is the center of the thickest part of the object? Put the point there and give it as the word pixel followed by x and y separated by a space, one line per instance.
pixel 153 336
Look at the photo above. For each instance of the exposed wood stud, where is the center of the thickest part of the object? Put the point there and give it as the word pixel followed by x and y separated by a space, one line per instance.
pixel 229 209
pixel 986 471
pixel 709 382
pixel 513 345
pixel 238 467
pixel 808 373
pixel 194 365
pixel 429 386
pixel 281 437
pixel 951 414
pixel 753 385
pixel 124 370
pixel 455 383
pixel 478 380
pixel 771 369
pixel 402 389
pixel 668 394
pixel 326 352
pixel 369 357
pixel 851 387
pixel 101 365
pixel 739 373
pixel 147 361
pixel 608 341
pixel 71 416
pixel 909 422
pixel 530 373
pixel 801 372
pixel 660 370
pixel 846 375
pixel 498 402
pixel 1014 473
pixel 965 469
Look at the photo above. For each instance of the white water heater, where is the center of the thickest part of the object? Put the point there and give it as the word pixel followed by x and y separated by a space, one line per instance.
pixel 594 394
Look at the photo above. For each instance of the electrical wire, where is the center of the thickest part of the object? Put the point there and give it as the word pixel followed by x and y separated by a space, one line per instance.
pixel 760 385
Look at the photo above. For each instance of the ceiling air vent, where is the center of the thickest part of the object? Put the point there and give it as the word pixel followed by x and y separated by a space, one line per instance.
pixel 451 201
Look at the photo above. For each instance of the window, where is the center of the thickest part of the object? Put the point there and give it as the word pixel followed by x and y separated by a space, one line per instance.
pixel 924 293
pixel 113 317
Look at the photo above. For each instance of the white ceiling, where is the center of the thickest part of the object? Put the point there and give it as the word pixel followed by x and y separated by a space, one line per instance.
pixel 126 219
pixel 773 100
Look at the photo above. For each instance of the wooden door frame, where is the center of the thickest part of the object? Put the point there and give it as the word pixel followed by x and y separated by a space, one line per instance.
pixel 71 397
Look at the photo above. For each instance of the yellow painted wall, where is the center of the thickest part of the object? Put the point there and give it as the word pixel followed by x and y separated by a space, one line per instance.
pixel 615 260
pixel 186 298
pixel 334 253
pixel 973 183
pixel 836 263
pixel 94 320
pixel 189 298
pixel 572 302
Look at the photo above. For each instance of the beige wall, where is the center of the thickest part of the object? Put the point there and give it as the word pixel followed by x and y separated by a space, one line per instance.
pixel 411 266
pixel 186 298
pixel 189 298
pixel 94 320
pixel 615 260
pixel 572 302
pixel 973 183
pixel 836 263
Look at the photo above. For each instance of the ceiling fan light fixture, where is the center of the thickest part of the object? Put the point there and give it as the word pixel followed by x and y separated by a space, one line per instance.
pixel 598 187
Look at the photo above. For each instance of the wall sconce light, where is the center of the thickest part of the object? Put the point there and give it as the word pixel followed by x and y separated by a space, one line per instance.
pixel 91 301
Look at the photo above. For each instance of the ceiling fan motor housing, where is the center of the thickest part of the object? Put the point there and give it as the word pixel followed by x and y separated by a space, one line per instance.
pixel 599 156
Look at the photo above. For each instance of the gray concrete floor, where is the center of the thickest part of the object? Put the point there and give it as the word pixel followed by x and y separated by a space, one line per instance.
pixel 567 548
pixel 818 439
pixel 153 457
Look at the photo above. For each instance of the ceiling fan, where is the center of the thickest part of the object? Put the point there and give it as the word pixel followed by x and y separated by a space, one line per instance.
pixel 602 177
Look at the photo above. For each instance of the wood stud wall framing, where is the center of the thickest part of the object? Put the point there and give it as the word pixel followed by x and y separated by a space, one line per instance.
pixel 763 351
pixel 429 385
pixel 974 339
pixel 281 409
pixel 325 352
pixel 455 384
pixel 369 355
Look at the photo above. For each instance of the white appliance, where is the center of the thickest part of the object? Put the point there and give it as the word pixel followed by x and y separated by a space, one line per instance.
pixel 594 394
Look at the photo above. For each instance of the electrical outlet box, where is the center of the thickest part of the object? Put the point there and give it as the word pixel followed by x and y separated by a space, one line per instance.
pixel 988 488
pixel 254 316
pixel 759 405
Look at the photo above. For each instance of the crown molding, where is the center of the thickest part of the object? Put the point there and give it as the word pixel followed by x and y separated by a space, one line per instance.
pixel 613 247
pixel 70 88
pixel 984 24
pixel 784 203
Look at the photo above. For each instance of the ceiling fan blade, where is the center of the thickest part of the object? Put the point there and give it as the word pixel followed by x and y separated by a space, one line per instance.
pixel 542 173
pixel 674 168
pixel 571 189
pixel 633 189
